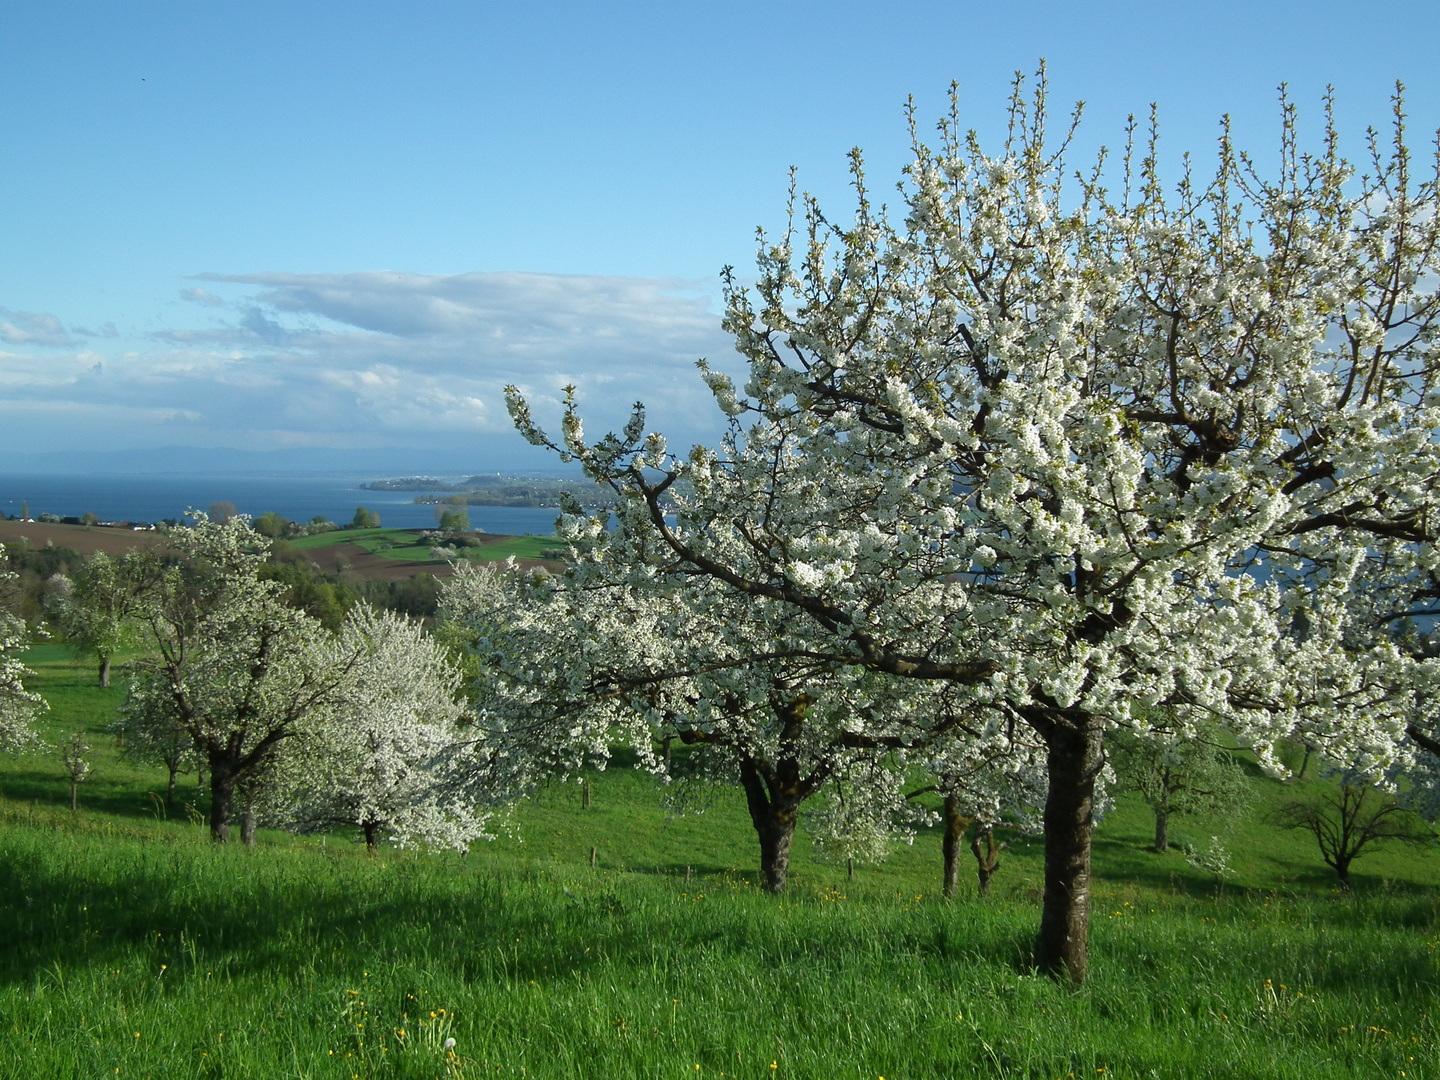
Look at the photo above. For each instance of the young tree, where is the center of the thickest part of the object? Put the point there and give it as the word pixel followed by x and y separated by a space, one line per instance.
pixel 98 613
pixel 75 756
pixel 863 815
pixel 1071 462
pixel 390 754
pixel 1188 776
pixel 233 666
pixel 151 729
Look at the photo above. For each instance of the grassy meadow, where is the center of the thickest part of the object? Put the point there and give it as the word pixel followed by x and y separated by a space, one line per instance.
pixel 134 948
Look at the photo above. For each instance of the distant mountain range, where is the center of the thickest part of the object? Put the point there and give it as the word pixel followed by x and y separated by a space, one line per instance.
pixel 497 453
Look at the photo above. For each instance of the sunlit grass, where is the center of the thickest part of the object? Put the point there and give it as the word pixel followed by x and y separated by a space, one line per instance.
pixel 405 544
pixel 129 943
pixel 278 961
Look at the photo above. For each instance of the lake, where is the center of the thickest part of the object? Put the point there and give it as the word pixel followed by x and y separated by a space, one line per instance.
pixel 299 498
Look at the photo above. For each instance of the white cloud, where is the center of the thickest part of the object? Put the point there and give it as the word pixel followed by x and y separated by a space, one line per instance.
pixel 383 359
pixel 198 295
pixel 33 328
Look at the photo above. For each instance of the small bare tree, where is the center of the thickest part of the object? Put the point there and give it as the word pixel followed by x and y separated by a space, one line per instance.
pixel 1348 821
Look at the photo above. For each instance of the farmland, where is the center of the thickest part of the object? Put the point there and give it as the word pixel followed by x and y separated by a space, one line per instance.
pixel 133 947
pixel 408 547
pixel 367 554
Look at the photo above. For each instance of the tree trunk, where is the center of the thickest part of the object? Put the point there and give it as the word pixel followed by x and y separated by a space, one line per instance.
pixel 774 804
pixel 955 826
pixel 372 834
pixel 1162 831
pixel 74 788
pixel 105 671
pixel 170 790
pixel 1342 871
pixel 1074 742
pixel 222 797
pixel 987 855
pixel 247 827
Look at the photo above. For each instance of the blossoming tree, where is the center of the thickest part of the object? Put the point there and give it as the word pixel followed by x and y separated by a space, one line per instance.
pixel 1075 449
pixel 18 706
pixel 568 666
pixel 389 753
pixel 233 667
pixel 97 612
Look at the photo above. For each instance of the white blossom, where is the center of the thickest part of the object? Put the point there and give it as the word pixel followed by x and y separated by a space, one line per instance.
pixel 1198 471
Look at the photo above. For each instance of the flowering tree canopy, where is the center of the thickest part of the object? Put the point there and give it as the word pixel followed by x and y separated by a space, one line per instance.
pixel 233 667
pixel 389 754
pixel 97 611
pixel 569 665
pixel 18 706
pixel 1073 447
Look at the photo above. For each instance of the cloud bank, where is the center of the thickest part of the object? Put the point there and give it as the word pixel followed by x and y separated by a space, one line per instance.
pixel 269 360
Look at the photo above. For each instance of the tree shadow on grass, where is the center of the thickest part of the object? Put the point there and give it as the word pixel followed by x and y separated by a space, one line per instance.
pixel 116 797
pixel 74 900
pixel 1124 860
pixel 187 906
pixel 71 902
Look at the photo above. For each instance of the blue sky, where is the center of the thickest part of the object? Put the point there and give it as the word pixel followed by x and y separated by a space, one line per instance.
pixel 266 225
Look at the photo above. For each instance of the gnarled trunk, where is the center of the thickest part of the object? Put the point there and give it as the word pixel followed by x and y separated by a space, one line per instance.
pixel 774 820
pixel 773 794
pixel 1075 756
pixel 1162 831
pixel 987 855
pixel 774 788
pixel 955 826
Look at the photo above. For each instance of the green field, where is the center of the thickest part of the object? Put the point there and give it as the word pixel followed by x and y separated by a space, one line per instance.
pixel 406 544
pixel 134 948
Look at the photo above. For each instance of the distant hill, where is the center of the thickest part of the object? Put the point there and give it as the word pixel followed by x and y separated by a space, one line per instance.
pixel 467 457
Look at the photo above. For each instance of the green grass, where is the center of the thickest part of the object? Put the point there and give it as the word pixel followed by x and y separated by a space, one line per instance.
pixel 129 943
pixel 405 544
pixel 352 536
